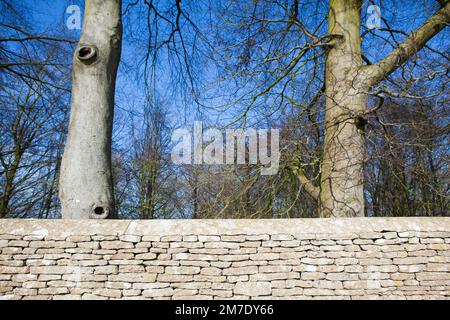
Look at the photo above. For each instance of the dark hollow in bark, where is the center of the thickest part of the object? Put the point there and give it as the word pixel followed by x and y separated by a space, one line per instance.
pixel 360 123
pixel 87 54
pixel 100 211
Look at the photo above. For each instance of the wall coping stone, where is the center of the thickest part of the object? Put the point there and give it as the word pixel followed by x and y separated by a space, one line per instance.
pixel 347 226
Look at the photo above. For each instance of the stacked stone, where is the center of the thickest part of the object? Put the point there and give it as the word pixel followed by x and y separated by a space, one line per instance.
pixel 378 265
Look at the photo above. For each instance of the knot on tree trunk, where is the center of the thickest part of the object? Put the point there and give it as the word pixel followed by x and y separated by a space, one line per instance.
pixel 360 122
pixel 99 211
pixel 87 54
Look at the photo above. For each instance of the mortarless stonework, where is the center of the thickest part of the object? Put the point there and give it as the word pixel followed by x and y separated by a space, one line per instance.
pixel 350 258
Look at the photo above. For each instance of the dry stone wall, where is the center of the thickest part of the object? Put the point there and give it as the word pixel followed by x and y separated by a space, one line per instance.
pixel 353 258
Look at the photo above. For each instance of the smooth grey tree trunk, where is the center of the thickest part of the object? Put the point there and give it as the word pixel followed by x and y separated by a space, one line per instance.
pixel 85 185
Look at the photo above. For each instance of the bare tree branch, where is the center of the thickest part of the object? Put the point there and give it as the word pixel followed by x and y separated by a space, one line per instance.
pixel 415 41
pixel 310 188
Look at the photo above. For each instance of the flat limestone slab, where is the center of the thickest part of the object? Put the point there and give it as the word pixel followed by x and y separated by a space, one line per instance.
pixel 345 226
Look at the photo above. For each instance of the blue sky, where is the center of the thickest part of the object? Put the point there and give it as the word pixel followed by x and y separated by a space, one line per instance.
pixel 49 17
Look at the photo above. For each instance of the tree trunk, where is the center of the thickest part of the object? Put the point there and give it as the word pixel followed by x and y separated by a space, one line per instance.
pixel 342 168
pixel 9 187
pixel 86 187
pixel 347 84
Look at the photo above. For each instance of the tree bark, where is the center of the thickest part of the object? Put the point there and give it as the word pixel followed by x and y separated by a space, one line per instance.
pixel 86 186
pixel 342 166
pixel 9 184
